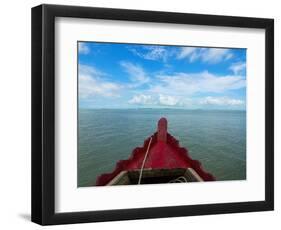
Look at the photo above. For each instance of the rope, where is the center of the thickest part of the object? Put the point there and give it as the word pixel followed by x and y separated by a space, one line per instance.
pixel 144 159
pixel 180 179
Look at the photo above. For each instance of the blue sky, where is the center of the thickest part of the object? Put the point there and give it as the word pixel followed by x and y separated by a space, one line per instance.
pixel 114 75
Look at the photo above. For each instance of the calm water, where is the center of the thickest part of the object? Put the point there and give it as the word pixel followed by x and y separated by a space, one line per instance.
pixel 216 138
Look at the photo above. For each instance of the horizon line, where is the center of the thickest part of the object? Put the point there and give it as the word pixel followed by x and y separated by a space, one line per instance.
pixel 164 108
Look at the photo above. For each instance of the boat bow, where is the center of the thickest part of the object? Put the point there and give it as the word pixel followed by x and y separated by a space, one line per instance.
pixel 159 155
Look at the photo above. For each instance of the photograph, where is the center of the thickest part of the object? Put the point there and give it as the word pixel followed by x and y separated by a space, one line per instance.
pixel 157 114
pixel 174 108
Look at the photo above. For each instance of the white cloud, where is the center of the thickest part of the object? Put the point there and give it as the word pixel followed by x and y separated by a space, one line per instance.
pixel 221 101
pixel 89 70
pixel 168 100
pixel 83 48
pixel 152 52
pixel 136 73
pixel 158 100
pixel 187 84
pixel 238 67
pixel 208 55
pixel 186 52
pixel 92 83
pixel 142 99
pixel 214 55
pixel 174 101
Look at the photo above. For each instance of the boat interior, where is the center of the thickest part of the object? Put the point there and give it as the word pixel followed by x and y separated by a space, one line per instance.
pixel 156 176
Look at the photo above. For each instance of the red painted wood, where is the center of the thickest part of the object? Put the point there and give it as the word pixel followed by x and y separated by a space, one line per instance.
pixel 164 152
pixel 162 130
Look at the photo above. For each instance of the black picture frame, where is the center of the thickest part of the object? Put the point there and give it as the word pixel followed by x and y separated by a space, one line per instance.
pixel 43 114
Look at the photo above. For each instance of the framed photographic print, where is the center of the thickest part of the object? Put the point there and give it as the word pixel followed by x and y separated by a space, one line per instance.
pixel 142 114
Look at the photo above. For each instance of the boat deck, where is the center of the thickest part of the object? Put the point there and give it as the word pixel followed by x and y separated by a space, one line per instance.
pixel 156 176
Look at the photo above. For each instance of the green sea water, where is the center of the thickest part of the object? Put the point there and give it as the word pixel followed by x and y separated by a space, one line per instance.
pixel 216 138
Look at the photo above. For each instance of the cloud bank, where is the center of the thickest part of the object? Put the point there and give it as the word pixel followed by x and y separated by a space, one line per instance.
pixel 93 83
pixel 191 83
pixel 221 101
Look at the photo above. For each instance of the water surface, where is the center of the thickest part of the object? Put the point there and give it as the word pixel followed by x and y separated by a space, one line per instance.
pixel 216 138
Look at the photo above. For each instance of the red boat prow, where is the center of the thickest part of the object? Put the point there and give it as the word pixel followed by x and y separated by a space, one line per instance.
pixel 160 151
